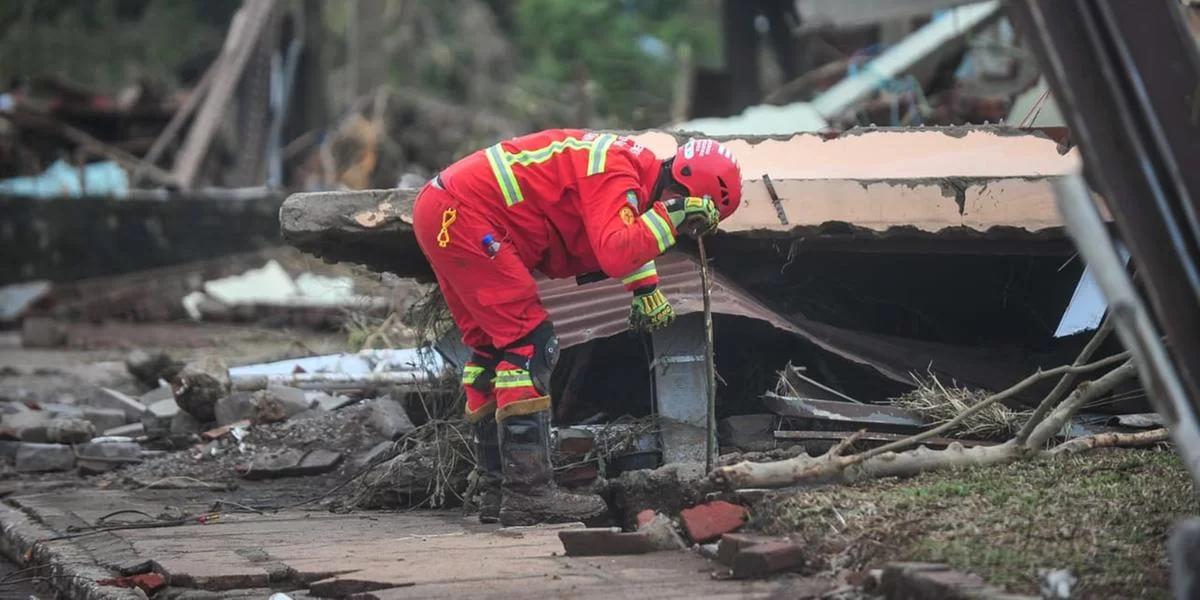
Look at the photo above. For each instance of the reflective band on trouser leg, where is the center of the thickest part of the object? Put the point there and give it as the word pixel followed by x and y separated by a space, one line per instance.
pixel 478 382
pixel 515 392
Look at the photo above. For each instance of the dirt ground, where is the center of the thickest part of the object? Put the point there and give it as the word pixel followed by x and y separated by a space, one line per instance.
pixel 1104 516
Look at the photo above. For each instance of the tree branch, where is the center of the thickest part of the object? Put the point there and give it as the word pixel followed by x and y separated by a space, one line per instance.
pixel 1110 440
pixel 1067 379
pixel 1086 392
pixel 990 400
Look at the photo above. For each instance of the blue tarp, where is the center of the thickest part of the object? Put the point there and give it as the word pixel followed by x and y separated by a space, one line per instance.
pixel 63 179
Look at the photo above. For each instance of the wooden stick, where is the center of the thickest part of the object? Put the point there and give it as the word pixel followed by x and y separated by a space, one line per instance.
pixel 709 360
pixel 176 123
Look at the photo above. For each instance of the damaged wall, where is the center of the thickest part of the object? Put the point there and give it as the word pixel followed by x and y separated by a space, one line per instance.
pixel 66 239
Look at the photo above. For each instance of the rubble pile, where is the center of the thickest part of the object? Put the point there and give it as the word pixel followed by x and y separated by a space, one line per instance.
pixel 176 424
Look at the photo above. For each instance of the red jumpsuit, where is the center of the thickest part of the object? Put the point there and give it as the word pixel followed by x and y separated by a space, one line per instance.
pixel 563 202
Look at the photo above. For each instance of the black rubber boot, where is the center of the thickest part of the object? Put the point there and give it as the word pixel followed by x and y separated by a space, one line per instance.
pixel 530 494
pixel 490 469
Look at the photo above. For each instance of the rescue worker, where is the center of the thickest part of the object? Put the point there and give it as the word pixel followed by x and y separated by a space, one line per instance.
pixel 564 202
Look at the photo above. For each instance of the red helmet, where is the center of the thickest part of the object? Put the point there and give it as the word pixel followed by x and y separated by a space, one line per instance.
pixel 707 168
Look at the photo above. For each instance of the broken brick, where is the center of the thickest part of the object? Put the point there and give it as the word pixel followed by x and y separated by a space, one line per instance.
pixel 147 582
pixel 576 442
pixel 577 475
pixel 733 543
pixel 706 522
pixel 761 560
pixel 644 517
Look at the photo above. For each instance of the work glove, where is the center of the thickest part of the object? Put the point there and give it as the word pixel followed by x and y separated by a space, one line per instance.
pixel 651 311
pixel 693 216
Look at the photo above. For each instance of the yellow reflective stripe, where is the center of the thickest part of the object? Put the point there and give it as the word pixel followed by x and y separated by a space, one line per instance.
pixel 540 155
pixel 513 379
pixel 502 169
pixel 470 374
pixel 599 153
pixel 646 270
pixel 660 228
pixel 502 162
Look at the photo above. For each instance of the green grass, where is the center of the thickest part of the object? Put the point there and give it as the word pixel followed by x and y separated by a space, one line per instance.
pixel 1105 516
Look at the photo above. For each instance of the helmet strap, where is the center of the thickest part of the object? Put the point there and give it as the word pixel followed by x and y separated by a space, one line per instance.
pixel 666 180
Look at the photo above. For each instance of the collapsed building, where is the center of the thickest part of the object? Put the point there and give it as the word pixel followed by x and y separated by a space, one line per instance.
pixel 867 258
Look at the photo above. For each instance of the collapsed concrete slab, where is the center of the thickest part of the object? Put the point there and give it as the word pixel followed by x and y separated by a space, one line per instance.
pixel 952 182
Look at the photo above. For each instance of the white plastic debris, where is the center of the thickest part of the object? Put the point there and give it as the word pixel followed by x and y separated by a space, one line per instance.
pixel 1056 584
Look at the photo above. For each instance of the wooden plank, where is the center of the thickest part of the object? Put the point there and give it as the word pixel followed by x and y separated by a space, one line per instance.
pixel 247 28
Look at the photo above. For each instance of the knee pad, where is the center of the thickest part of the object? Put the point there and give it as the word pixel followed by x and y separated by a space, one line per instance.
pixel 542 346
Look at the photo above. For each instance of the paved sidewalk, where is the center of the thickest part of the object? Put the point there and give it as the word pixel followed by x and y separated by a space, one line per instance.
pixel 416 554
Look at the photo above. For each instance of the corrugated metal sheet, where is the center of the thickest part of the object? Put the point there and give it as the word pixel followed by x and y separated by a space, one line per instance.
pixel 597 310
pixel 601 309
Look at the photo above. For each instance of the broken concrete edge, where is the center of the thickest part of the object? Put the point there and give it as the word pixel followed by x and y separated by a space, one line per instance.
pixel 956 131
pixel 71 571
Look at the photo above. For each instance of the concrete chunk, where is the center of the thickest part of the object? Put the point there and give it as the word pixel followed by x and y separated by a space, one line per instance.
pixel 733 543
pixel 200 385
pixel 112 399
pixel 238 406
pixel 61 431
pixel 157 418
pixel 43 458
pixel 130 430
pixel 42 332
pixel 292 463
pixel 279 403
pixel 184 424
pixel 157 395
pixel 95 458
pixel 655 536
pixel 105 418
pixel 389 419
pixel 761 560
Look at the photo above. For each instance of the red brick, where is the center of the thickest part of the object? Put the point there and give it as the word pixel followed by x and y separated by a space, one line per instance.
pixel 644 517
pixel 765 559
pixel 706 522
pixel 576 442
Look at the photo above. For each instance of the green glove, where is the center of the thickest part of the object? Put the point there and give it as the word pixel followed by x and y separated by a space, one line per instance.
pixel 651 311
pixel 693 216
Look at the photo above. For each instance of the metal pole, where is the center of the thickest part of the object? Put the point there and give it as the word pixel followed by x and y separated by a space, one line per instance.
pixel 710 455
pixel 1133 324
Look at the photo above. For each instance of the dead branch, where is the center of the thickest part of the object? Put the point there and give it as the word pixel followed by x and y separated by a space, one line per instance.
pixel 1086 392
pixel 1004 395
pixel 1111 440
pixel 886 461
pixel 1067 379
